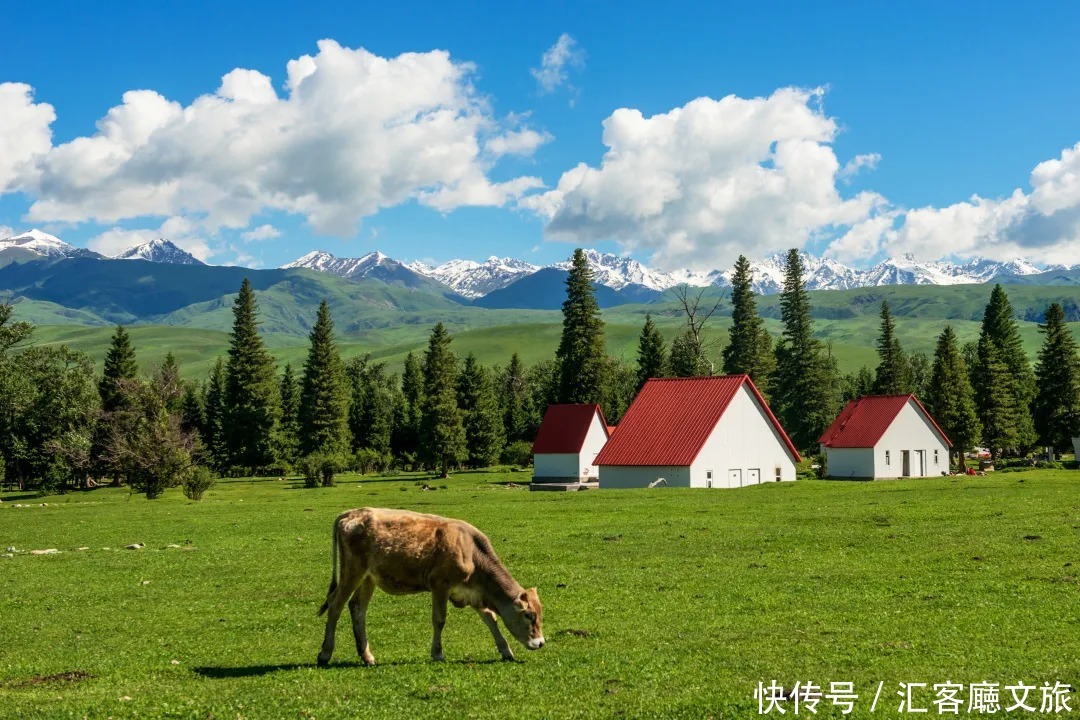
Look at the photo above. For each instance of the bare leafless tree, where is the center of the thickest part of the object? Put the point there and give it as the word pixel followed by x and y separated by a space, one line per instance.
pixel 697 311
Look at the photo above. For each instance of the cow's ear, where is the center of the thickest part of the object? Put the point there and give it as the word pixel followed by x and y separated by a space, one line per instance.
pixel 524 597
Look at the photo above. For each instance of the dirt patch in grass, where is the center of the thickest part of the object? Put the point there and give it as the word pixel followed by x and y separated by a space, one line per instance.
pixel 72 676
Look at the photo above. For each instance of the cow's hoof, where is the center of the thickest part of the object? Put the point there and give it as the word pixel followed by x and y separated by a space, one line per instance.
pixel 438 658
pixel 323 661
pixel 369 661
pixel 508 658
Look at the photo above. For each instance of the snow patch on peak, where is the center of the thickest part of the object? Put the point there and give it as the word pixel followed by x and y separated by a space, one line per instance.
pixel 162 251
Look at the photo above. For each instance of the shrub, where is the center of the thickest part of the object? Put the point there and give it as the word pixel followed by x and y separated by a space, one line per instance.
pixel 517 453
pixel 197 481
pixel 366 459
pixel 320 468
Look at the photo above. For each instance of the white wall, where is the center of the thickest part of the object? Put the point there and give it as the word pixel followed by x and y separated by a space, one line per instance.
pixel 846 463
pixel 1076 447
pixel 743 440
pixel 556 465
pixel 910 431
pixel 573 465
pixel 639 476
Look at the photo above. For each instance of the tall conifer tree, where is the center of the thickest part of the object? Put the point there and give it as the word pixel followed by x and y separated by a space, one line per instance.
pixel 749 349
pixel 892 374
pixel 216 410
pixel 999 327
pixel 804 387
pixel 289 427
pixel 484 432
pixel 120 364
pixel 442 432
pixel 324 394
pixel 1057 401
pixel 581 356
pixel 252 405
pixel 652 354
pixel 949 398
pixel 515 398
pixel 996 400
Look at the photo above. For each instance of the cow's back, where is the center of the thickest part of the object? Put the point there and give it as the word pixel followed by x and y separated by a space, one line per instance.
pixel 405 551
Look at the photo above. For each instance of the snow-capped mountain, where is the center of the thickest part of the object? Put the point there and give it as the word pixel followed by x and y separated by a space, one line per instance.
pixel 36 242
pixel 161 250
pixel 617 272
pixel 471 279
pixel 345 267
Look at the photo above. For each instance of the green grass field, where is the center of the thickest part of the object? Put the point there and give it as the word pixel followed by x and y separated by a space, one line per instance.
pixel 663 603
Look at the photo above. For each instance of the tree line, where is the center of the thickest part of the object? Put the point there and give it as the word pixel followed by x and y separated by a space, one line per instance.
pixel 60 425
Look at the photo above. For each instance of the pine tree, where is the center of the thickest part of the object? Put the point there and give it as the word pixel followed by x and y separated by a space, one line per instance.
pixel 805 386
pixel 289 428
pixel 252 405
pixel 442 433
pixel 581 354
pixel 406 441
pixel 324 394
pixel 216 410
pixel 1000 328
pixel 949 398
pixel 515 396
pixel 374 401
pixel 168 385
pixel 749 349
pixel 192 413
pixel 996 402
pixel 120 365
pixel 891 377
pixel 484 432
pixel 1056 406
pixel 652 354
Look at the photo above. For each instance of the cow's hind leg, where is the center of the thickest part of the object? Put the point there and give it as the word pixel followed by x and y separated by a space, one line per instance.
pixel 358 610
pixel 492 623
pixel 334 604
pixel 438 621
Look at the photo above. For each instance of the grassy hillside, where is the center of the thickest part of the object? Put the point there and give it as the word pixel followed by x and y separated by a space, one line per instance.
pixel 662 603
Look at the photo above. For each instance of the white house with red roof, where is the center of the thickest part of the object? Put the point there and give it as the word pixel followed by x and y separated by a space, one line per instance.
pixel 885 436
pixel 567 444
pixel 702 432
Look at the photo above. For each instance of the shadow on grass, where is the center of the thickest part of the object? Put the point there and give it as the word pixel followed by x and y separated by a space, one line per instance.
pixel 226 672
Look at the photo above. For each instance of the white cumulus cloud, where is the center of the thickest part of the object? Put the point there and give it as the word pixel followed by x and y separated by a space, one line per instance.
pixel 352 134
pixel 263 232
pixel 182 232
pixel 702 183
pixel 554 64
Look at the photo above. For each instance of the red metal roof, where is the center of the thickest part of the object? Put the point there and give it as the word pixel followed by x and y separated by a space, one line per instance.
pixel 610 429
pixel 671 418
pixel 564 428
pixel 863 421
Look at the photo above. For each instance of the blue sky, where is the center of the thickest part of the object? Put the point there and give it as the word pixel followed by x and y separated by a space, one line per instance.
pixel 850 129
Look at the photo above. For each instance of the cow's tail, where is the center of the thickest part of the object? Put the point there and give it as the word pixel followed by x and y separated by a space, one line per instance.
pixel 333 569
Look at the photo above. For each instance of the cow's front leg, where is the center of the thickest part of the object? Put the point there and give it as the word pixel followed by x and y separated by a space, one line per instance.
pixel 358 609
pixel 492 621
pixel 438 621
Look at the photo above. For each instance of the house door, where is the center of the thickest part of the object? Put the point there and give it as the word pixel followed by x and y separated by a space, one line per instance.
pixel 734 478
pixel 753 476
pixel 906 456
pixel 920 458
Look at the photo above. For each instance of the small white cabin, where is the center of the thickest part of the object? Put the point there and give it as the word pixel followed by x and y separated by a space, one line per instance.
pixel 701 432
pixel 568 442
pixel 885 436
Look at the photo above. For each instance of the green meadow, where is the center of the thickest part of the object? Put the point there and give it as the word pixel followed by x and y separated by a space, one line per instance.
pixel 662 603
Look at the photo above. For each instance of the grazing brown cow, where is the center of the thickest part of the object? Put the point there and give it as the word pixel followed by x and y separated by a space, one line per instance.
pixel 405 552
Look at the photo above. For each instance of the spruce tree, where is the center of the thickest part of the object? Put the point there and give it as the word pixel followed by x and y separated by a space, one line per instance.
pixel 1000 328
pixel 515 397
pixel 484 432
pixel 289 427
pixel 891 376
pixel 1056 407
pixel 652 354
pixel 949 398
pixel 120 365
pixel 216 411
pixel 996 401
pixel 442 433
pixel 581 356
pixel 749 348
pixel 805 387
pixel 374 401
pixel 168 385
pixel 252 405
pixel 406 440
pixel 324 394
pixel 192 414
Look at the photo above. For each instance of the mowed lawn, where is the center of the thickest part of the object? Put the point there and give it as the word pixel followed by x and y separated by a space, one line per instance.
pixel 659 603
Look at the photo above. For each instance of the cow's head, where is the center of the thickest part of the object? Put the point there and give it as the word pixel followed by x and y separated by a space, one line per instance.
pixel 523 619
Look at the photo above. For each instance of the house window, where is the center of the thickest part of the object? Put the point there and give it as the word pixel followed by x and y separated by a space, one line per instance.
pixel 777 474
pixel 708 474
pixel 935 457
pixel 886 457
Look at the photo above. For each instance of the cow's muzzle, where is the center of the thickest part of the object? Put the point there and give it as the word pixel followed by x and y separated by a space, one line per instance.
pixel 535 643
